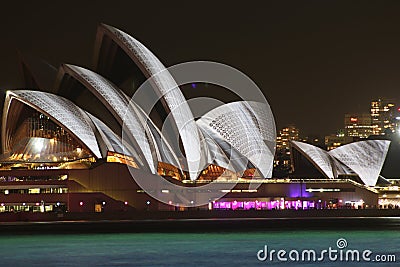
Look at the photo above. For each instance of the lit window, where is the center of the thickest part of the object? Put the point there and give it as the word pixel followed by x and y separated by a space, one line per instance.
pixel 34 191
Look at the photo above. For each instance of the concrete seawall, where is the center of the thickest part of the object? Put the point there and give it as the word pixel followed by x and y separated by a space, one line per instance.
pixel 200 221
pixel 197 214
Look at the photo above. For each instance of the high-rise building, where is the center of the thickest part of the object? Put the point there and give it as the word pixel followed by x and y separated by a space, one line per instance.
pixel 383 116
pixel 282 161
pixel 358 125
pixel 336 140
pixel 291 132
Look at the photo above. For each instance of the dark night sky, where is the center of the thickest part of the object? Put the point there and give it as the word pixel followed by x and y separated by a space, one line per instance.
pixel 314 60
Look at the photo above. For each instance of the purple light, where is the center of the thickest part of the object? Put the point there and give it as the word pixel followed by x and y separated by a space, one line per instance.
pixel 234 205
pixel 194 85
pixel 298 190
pixel 264 205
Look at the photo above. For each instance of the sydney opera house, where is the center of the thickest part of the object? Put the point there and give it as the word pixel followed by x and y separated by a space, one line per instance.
pixel 75 141
pixel 364 159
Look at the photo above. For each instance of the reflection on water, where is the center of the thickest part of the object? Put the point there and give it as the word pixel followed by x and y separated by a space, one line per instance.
pixel 183 249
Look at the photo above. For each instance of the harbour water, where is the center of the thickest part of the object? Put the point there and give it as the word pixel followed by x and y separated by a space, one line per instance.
pixel 200 248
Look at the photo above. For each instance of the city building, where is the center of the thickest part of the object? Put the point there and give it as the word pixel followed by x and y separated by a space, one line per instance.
pixel 314 139
pixel 287 134
pixel 336 140
pixel 282 161
pixel 359 126
pixel 389 195
pixel 383 116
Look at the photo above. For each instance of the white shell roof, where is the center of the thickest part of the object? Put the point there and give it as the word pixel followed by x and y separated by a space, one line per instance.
pixel 117 102
pixel 63 111
pixel 164 152
pixel 170 92
pixel 223 154
pixel 318 156
pixel 248 127
pixel 365 158
pixel 112 141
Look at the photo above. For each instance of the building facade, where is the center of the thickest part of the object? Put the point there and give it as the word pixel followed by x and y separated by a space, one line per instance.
pixel 358 126
pixel 84 146
pixel 62 140
pixel 282 161
pixel 383 116
pixel 336 140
